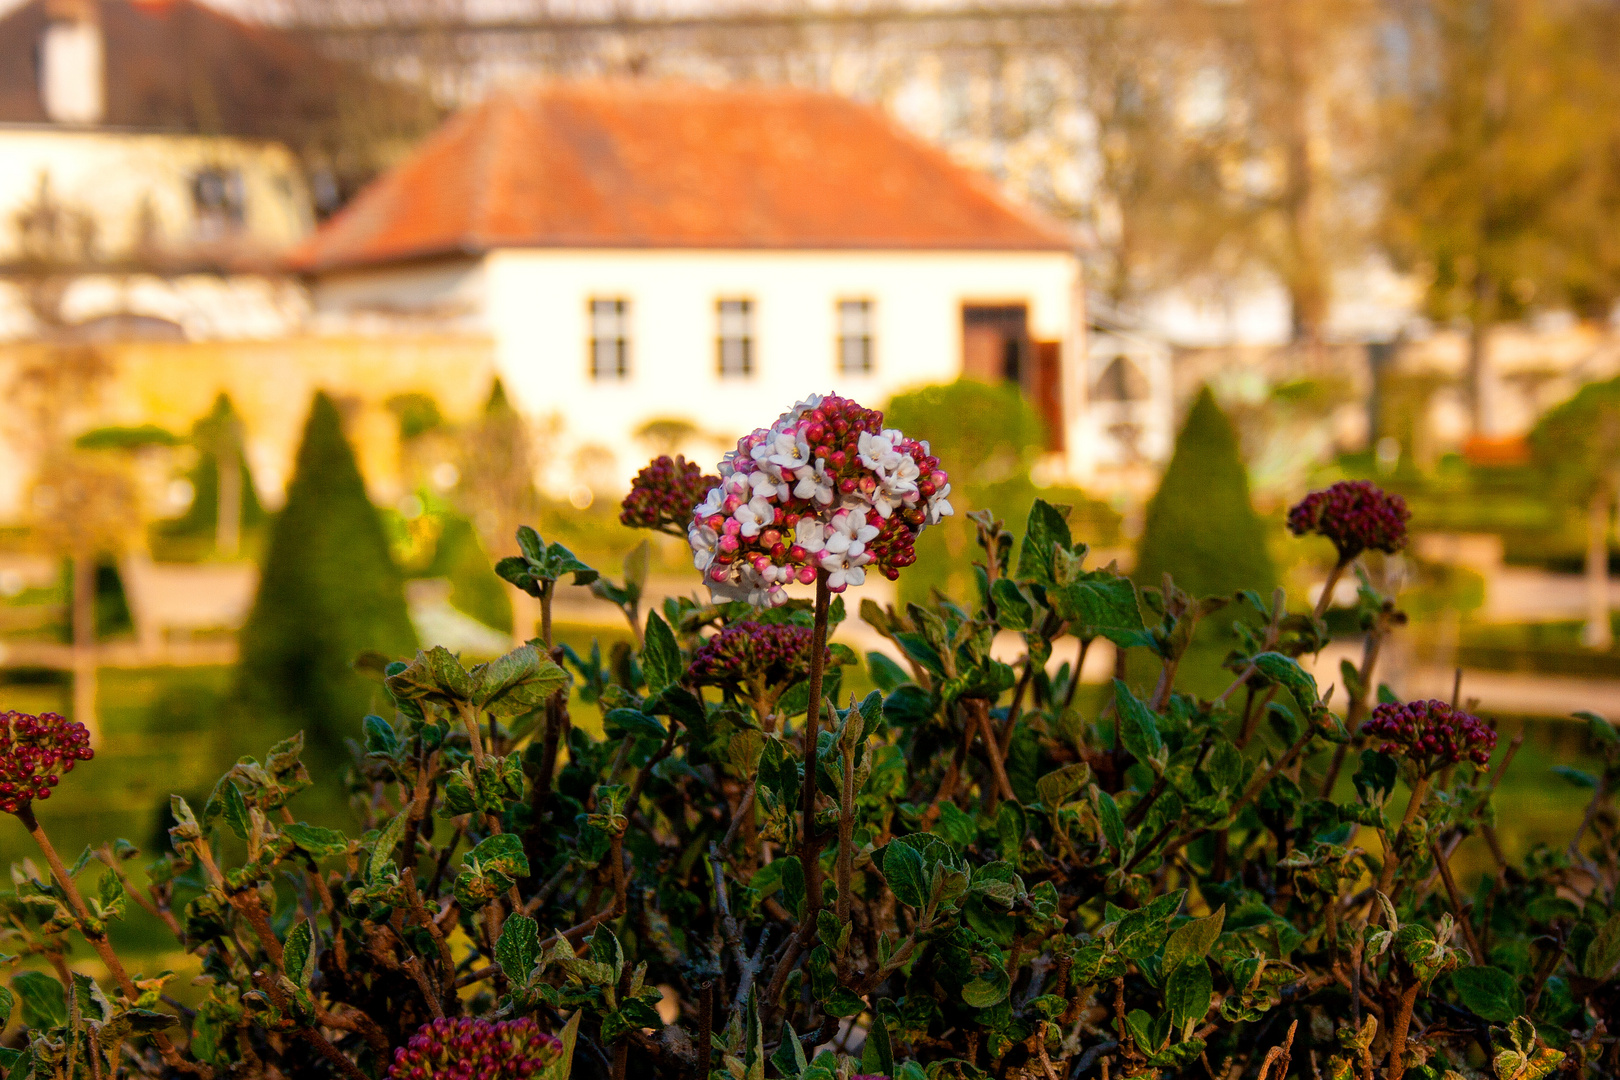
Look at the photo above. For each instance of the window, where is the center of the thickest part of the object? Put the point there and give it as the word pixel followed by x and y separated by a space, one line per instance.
pixel 610 339
pixel 736 338
pixel 219 202
pixel 855 337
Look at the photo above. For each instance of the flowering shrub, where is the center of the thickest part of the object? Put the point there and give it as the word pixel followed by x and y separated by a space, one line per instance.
pixel 825 487
pixel 1432 734
pixel 1356 515
pixel 663 493
pixel 468 1049
pixel 973 871
pixel 34 752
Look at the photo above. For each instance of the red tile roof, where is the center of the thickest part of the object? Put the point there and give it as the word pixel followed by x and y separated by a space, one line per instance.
pixel 670 165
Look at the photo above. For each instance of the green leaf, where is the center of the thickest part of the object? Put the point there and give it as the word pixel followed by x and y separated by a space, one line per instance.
pixel 43 1003
pixel 660 656
pixel 1113 826
pixel 1188 993
pixel 1143 930
pixel 1061 785
pixel 296 958
pixel 531 544
pixel 886 674
pixel 380 737
pixel 1489 993
pixel 918 650
pixel 1138 728
pixel 835 998
pixel 490 870
pixel 1578 777
pixel 907 876
pixel 435 675
pixel 518 948
pixel 1100 604
pixel 877 1055
pixel 1598 727
pixel 793 886
pixel 789 1057
pixel 1046 530
pixel 93 1004
pixel 315 840
pixel 502 853
pixel 518 682
pixel 1014 611
pixel 236 811
pixel 1285 670
pixel 563 1064
pixel 387 840
pixel 987 989
pixel 7 1003
pixel 1604 951
pixel 621 722
pixel 1193 939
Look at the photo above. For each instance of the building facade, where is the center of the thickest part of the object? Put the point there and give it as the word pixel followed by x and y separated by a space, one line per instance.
pixel 658 258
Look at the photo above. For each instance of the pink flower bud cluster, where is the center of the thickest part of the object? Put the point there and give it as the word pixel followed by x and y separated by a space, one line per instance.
pixel 663 494
pixel 34 750
pixel 1356 515
pixel 750 651
pixel 826 487
pixel 469 1049
pixel 1431 733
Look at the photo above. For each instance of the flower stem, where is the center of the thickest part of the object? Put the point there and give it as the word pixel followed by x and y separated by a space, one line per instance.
pixel 98 939
pixel 809 843
pixel 1386 877
pixel 546 591
pixel 1323 601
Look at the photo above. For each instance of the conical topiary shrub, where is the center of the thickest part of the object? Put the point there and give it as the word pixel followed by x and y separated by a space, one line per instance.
pixel 329 592
pixel 1200 525
pixel 217 435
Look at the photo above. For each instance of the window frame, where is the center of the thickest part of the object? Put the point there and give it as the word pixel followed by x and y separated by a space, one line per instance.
pixel 866 338
pixel 747 309
pixel 619 343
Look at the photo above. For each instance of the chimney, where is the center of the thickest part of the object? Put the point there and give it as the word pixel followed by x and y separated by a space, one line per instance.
pixel 72 63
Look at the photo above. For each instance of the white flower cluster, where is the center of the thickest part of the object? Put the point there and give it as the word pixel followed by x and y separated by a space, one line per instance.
pixel 826 488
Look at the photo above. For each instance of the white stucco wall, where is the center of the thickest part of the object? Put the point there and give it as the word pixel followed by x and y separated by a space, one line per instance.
pixel 537 311
pixel 130 181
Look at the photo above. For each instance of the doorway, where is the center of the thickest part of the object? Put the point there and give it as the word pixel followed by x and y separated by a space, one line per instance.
pixel 995 342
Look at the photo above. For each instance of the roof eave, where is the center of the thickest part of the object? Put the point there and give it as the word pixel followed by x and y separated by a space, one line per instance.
pixel 434 253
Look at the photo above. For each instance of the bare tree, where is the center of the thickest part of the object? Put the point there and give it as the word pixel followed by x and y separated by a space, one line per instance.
pixel 1504 185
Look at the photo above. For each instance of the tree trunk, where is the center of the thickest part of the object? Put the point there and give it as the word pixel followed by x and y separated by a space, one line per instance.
pixel 1597 633
pixel 84 644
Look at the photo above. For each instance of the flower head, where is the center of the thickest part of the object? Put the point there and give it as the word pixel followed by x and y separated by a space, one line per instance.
pixel 1431 733
pixel 469 1049
pixel 748 652
pixel 34 751
pixel 663 494
pixel 1356 515
pixel 825 488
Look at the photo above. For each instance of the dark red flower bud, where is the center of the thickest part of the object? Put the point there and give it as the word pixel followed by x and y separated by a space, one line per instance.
pixel 1356 515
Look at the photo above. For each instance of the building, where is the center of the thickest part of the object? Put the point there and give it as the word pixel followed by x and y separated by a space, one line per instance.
pixel 142 155
pixel 652 251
